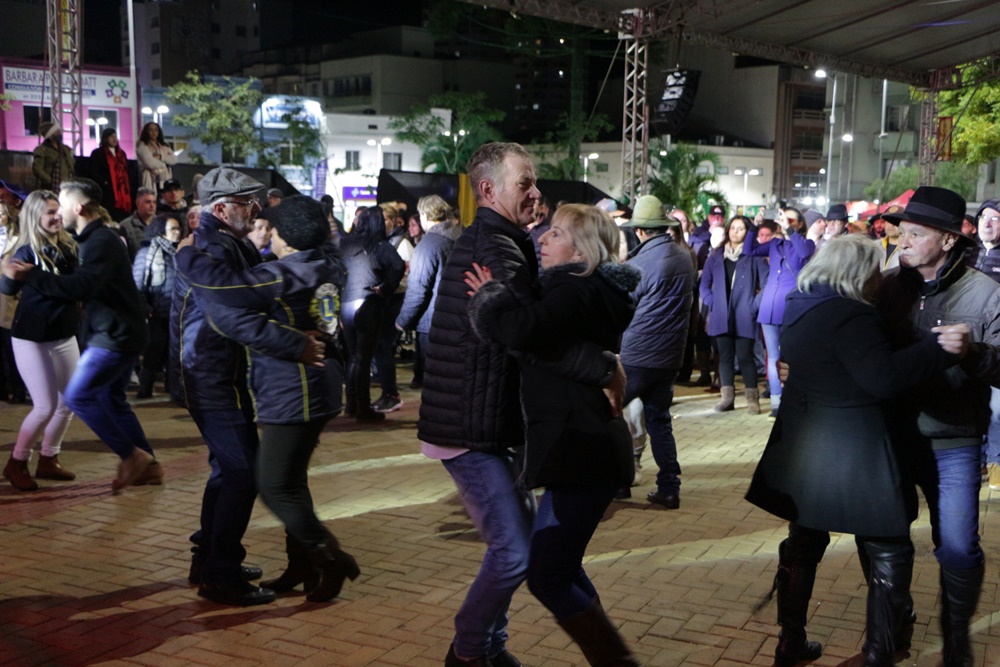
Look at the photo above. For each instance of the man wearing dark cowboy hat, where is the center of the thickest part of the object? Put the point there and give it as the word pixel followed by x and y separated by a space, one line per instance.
pixel 950 413
pixel 653 345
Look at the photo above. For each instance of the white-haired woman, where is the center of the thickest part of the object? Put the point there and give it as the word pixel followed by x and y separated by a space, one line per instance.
pixel 44 341
pixel 830 464
pixel 576 448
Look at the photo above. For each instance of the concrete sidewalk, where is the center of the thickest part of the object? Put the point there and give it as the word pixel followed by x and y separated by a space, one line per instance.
pixel 87 578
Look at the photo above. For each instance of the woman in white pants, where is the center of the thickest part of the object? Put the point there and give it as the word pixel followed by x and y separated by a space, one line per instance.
pixel 44 340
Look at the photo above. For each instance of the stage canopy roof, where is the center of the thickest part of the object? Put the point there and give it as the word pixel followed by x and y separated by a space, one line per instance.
pixel 918 42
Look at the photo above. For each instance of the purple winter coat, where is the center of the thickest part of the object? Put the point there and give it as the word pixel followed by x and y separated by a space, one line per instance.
pixel 741 303
pixel 786 257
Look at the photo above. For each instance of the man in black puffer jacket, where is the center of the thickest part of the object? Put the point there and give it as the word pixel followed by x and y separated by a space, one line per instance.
pixel 470 413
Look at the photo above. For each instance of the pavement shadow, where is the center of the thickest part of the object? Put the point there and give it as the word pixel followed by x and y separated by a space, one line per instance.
pixel 64 630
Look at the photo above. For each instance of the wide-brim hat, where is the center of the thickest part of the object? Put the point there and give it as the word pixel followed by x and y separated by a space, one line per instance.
pixel 890 214
pixel 837 212
pixel 648 214
pixel 938 208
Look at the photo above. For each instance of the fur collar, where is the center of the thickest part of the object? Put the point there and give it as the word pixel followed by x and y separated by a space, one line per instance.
pixel 624 277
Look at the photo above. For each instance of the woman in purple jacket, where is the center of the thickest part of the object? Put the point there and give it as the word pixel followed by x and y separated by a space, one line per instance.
pixel 730 290
pixel 786 257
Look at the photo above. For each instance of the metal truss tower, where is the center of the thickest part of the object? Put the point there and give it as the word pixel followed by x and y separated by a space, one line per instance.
pixel 928 150
pixel 65 45
pixel 635 116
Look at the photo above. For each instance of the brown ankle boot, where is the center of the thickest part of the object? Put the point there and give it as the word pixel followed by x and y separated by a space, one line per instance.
pixel 131 469
pixel 49 468
pixel 17 474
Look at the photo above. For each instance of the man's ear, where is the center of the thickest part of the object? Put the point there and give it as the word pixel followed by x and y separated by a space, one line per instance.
pixel 949 241
pixel 485 189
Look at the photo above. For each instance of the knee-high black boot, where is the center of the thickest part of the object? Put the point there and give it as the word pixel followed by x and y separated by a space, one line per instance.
pixel 794 582
pixel 959 597
pixel 890 607
pixel 300 569
pixel 598 638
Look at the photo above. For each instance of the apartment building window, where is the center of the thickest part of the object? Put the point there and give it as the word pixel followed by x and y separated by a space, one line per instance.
pixel 154 22
pixel 900 118
pixel 216 54
pixel 351 86
pixel 241 31
pixel 392 161
pixel 154 48
pixel 156 74
pixel 353 161
pixel 216 29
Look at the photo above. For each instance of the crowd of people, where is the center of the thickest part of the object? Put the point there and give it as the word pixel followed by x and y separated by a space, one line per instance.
pixel 548 344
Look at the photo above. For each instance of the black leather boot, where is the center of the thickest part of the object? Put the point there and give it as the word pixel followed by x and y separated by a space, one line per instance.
pixel 890 607
pixel 598 638
pixel 959 597
pixel 300 569
pixel 794 581
pixel 335 566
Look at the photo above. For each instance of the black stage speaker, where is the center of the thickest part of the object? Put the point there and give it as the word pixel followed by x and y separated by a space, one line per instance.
pixel 678 98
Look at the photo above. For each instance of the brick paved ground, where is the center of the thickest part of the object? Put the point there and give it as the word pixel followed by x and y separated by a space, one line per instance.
pixel 87 578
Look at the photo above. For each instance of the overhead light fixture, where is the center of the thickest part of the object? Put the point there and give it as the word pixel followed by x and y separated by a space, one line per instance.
pixel 847 138
pixel 820 73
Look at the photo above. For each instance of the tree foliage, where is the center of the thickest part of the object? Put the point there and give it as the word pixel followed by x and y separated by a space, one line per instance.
pixel 960 178
pixel 675 177
pixel 570 132
pixel 302 145
pixel 447 149
pixel 221 113
pixel 976 137
pixel 5 100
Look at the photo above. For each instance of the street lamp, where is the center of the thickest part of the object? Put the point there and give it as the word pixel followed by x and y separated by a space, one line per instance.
pixel 157 113
pixel 586 164
pixel 746 174
pixel 385 141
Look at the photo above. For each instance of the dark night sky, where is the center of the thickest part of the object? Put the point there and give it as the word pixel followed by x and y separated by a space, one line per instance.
pixel 330 20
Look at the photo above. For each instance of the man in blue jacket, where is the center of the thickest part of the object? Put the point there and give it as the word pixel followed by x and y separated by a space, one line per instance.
pixel 115 326
pixel 213 386
pixel 653 345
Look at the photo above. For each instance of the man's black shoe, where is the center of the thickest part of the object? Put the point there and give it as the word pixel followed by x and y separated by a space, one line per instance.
pixel 452 660
pixel 250 572
pixel 237 596
pixel 669 500
pixel 504 659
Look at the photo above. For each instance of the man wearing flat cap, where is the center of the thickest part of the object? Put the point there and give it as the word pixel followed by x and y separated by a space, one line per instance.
pixel 52 161
pixel 213 386
pixel 948 415
pixel 653 346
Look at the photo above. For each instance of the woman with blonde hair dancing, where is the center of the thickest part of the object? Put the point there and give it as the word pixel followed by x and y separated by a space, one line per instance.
pixel 44 340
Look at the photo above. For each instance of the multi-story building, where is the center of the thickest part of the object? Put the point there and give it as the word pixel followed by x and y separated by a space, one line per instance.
pixel 173 38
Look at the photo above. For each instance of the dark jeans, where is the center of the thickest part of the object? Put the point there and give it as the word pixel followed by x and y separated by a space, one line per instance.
pixel 96 394
pixel 385 351
pixel 732 348
pixel 283 478
pixel 420 356
pixel 655 388
pixel 362 326
pixel 565 522
pixel 154 359
pixel 231 437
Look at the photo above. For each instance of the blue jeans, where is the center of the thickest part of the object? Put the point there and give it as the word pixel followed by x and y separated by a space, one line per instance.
pixel 655 387
pixel 950 480
pixel 230 492
pixel 96 394
pixel 993 434
pixel 565 523
pixel 502 513
pixel 771 332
